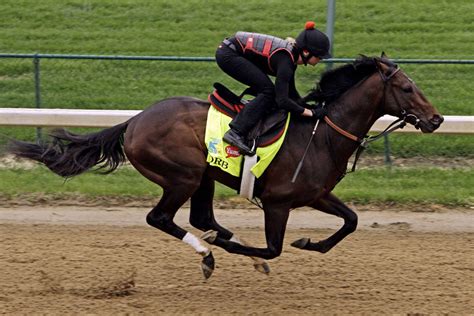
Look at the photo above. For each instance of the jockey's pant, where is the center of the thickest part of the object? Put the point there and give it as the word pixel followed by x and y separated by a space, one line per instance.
pixel 243 70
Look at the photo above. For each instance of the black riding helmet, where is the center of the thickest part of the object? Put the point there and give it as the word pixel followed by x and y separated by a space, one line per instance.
pixel 313 42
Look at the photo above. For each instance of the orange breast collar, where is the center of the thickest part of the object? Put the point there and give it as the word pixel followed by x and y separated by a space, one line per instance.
pixel 341 131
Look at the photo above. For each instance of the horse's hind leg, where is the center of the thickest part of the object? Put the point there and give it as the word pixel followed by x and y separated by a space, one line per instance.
pixel 332 205
pixel 202 217
pixel 162 215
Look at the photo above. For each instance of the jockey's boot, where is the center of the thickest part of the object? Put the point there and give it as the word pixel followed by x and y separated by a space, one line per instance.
pixel 234 138
pixel 244 122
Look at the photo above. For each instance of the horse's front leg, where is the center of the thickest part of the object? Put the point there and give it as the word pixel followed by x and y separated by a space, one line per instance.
pixel 332 205
pixel 276 218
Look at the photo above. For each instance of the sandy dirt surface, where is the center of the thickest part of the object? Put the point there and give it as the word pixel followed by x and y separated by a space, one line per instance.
pixel 92 260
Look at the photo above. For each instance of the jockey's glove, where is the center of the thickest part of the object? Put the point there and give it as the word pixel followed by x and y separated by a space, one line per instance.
pixel 319 112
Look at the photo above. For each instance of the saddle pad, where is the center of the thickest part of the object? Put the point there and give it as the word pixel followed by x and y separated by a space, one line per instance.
pixel 227 157
pixel 265 132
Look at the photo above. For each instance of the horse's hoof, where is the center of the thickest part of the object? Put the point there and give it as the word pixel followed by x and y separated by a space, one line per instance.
pixel 300 243
pixel 207 265
pixel 263 267
pixel 209 236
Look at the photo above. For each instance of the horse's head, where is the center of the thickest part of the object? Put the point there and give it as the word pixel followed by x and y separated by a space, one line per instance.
pixel 402 98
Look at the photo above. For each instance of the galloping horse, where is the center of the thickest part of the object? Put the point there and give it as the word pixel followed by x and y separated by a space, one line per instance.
pixel 165 143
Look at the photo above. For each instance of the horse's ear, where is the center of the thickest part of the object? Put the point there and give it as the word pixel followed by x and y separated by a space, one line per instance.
pixel 383 55
pixel 378 63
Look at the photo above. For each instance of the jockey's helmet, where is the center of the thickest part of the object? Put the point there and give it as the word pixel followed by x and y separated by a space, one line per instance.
pixel 313 42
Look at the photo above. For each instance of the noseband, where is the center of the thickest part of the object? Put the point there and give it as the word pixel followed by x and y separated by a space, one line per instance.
pixel 406 115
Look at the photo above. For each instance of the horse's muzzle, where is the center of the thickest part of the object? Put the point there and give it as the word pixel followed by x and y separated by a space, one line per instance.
pixel 432 124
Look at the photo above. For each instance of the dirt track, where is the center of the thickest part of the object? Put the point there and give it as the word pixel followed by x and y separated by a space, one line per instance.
pixel 87 260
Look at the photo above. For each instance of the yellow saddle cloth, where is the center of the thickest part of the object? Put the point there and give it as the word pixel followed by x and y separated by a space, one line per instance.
pixel 227 157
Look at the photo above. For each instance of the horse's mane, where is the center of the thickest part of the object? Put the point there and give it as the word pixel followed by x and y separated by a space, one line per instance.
pixel 335 82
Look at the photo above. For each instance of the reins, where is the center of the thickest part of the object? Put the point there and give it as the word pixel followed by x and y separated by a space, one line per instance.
pixel 364 141
pixel 400 123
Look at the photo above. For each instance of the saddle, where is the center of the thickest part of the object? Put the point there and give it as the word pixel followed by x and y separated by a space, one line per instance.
pixel 266 132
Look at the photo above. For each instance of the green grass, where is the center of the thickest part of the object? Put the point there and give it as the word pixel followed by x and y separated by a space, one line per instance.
pixel 403 29
pixel 417 185
pixel 425 145
pixel 411 185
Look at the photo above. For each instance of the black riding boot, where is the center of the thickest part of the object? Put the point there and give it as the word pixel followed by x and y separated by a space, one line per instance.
pixel 236 139
pixel 243 123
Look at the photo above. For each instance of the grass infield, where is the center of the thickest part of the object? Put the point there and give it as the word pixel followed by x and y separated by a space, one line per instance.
pixel 447 186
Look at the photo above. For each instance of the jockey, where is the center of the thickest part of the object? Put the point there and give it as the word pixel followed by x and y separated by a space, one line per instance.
pixel 251 57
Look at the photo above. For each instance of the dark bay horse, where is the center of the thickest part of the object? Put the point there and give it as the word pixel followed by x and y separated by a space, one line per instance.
pixel 165 143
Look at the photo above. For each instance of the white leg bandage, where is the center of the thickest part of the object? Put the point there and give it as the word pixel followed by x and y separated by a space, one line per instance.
pixel 195 242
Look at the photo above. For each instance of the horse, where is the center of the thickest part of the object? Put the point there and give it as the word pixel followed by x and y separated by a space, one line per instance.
pixel 165 143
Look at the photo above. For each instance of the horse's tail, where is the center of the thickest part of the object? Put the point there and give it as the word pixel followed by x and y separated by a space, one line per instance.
pixel 68 154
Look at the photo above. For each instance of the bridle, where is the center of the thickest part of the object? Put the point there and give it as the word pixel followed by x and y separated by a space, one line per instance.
pixel 404 114
pixel 397 124
pixel 366 140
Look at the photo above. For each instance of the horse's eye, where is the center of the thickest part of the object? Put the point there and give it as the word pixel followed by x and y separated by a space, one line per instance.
pixel 407 89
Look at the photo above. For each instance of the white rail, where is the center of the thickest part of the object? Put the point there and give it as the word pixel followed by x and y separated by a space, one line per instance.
pixel 107 118
pixel 63 117
pixel 452 124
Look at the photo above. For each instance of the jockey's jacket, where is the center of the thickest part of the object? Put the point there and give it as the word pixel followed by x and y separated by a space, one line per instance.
pixel 261 47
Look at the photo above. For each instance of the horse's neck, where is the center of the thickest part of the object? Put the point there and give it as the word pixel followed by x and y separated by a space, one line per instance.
pixel 358 109
pixel 355 112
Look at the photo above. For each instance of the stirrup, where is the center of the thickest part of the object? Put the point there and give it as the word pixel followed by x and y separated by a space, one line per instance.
pixel 246 152
pixel 239 143
pixel 253 149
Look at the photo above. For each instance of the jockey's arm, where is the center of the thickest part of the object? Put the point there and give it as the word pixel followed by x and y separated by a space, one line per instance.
pixel 285 84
